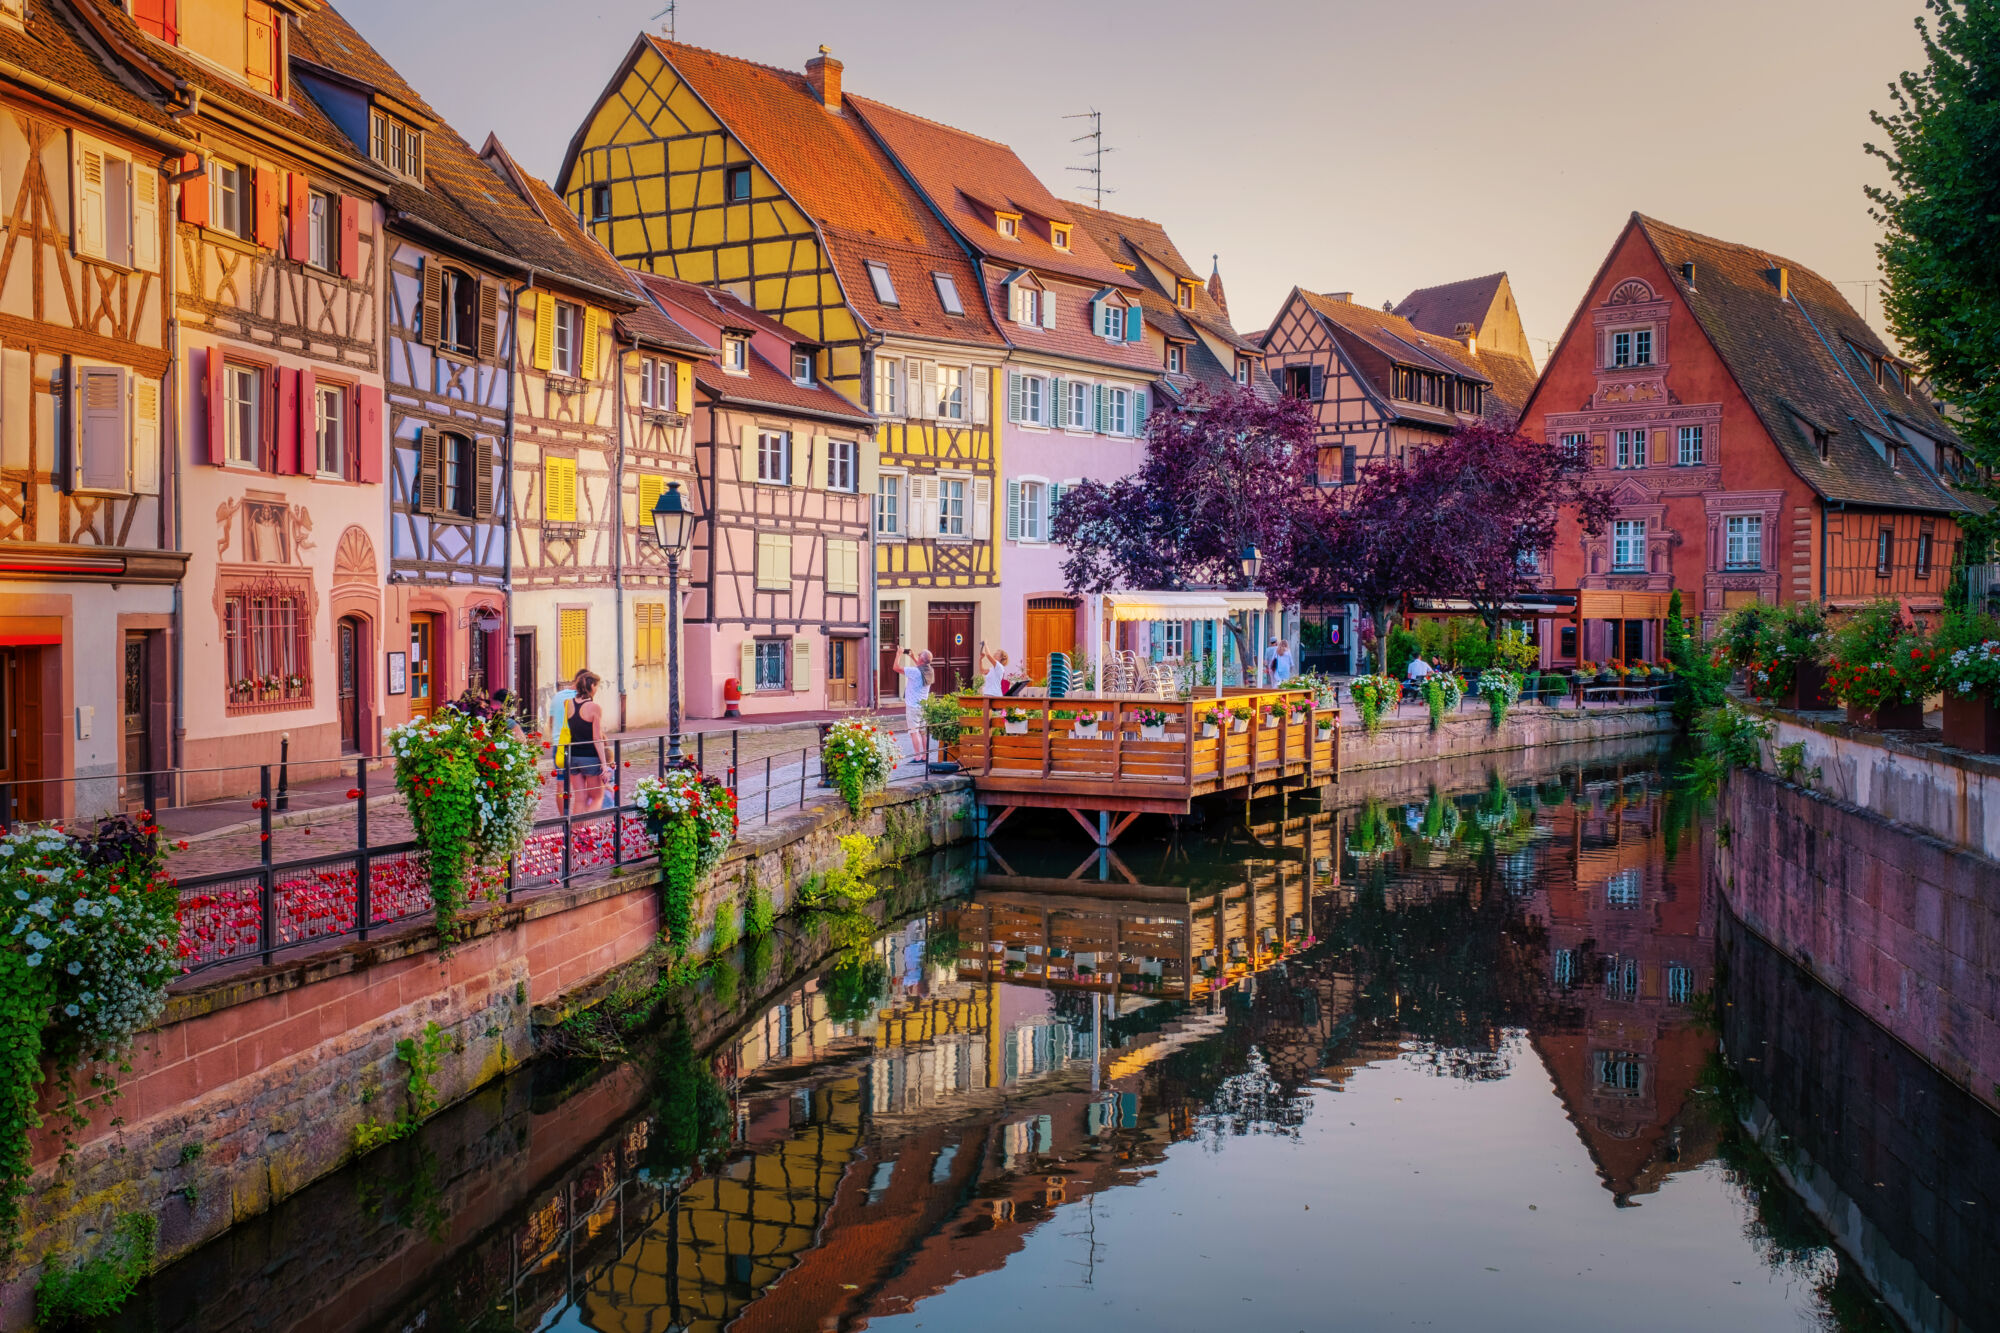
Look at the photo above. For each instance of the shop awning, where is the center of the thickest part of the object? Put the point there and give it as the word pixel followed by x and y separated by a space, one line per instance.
pixel 1206 604
pixel 1527 604
pixel 1599 605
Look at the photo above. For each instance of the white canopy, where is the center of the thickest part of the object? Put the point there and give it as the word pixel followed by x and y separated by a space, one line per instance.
pixel 1206 604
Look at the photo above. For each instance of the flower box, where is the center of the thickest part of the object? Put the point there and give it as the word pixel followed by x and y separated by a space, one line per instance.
pixel 1808 690
pixel 1210 731
pixel 1152 731
pixel 1016 728
pixel 1889 717
pixel 1085 728
pixel 1239 725
pixel 1972 723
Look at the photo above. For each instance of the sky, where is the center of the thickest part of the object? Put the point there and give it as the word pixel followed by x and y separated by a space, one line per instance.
pixel 1338 146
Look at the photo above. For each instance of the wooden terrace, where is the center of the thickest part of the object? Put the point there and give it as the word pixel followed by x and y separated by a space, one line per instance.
pixel 1144 755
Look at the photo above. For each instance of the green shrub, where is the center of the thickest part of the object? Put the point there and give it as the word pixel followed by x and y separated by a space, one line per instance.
pixel 97 1288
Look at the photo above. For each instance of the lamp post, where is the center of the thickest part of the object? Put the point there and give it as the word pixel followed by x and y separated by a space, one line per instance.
pixel 673 528
pixel 1252 560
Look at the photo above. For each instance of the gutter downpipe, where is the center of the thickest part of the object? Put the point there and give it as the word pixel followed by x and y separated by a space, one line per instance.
pixel 172 442
pixel 618 522
pixel 508 526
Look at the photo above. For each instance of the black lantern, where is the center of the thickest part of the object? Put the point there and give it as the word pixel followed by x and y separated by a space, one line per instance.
pixel 673 527
pixel 1253 560
pixel 673 521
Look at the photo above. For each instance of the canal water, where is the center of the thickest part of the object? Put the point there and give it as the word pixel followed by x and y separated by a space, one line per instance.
pixel 1472 1047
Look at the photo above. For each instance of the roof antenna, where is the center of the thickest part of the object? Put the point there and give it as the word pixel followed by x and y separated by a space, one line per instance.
pixel 668 15
pixel 1097 151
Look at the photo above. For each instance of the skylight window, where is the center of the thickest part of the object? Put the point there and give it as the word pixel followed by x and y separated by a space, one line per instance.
pixel 885 288
pixel 947 291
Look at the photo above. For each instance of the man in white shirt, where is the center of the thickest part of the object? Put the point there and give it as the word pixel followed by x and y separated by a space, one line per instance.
pixel 1283 668
pixel 916 689
pixel 1419 668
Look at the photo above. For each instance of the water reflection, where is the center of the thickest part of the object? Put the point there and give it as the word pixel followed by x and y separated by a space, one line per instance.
pixel 1445 1052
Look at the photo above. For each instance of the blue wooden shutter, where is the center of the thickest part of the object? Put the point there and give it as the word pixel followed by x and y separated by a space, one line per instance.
pixel 1135 324
pixel 1058 409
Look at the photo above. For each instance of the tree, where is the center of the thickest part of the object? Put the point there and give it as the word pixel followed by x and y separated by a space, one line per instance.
pixel 1232 470
pixel 1376 542
pixel 1941 253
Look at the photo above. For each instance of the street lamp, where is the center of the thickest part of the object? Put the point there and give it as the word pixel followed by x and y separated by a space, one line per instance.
pixel 673 528
pixel 1253 560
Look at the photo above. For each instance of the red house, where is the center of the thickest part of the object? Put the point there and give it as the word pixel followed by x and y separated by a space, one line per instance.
pixel 1761 443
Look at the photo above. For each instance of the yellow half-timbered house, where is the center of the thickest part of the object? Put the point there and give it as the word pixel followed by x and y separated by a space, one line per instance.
pixel 722 172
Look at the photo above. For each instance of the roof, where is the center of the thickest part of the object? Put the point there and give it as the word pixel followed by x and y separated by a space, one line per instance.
pixel 49 44
pixel 1795 358
pixel 834 169
pixel 1441 309
pixel 1392 337
pixel 550 237
pixel 766 385
pixel 1513 377
pixel 966 177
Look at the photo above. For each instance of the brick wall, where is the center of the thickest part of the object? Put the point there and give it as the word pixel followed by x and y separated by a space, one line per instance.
pixel 1406 736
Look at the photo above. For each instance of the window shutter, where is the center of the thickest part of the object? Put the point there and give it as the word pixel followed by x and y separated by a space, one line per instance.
pixel 587 363
pixel 929 406
pixel 684 387
pixel 746 665
pixel 1013 290
pixel 194 192
pixel 1097 393
pixel 482 477
pixel 308 423
pixel 1013 511
pixel 425 492
pixel 287 432
pixel 101 441
pixel 1142 404
pixel 802 459
pixel 1058 407
pixel 746 454
pixel 982 508
pixel 1099 324
pixel 982 385
pixel 1048 307
pixel 145 436
pixel 1318 386
pixel 1013 395
pixel 430 318
pixel 867 467
pixel 298 204
pixel 1055 503
pixel 1135 324
pixel 367 433
pixel 87 224
pixel 218 410
pixel 267 428
pixel 545 331
pixel 489 321
pixel 145 219
pixel 350 237
pixel 1347 457
pixel 265 186
pixel 802 663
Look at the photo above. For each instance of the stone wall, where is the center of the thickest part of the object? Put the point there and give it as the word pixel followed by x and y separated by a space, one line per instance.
pixel 1900 924
pixel 256 1079
pixel 1407 738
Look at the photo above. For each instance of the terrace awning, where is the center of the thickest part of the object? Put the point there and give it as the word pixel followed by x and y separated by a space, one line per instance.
pixel 1205 604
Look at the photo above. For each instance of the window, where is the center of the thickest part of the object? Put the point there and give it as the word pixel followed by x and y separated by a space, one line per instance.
pixel 1114 323
pixel 1184 295
pixel 320 230
pixel 1745 543
pixel 1027 399
pixel 1027 511
pixel 1007 226
pixel 774 457
pixel 1243 371
pixel 1923 555
pixel 1298 381
pixel 330 430
pixel 656 384
pixel 109 451
pixel 1565 968
pixel 888 505
pixel 1622 889
pixel 456 475
pixel 1118 411
pixel 1618 1073
pixel 1059 236
pixel 1632 347
pixel 568 339
pixel 843 565
pixel 243 402
pixel 947 291
pixel 1174 354
pixel 267 654
pixel 652 485
pixel 951 507
pixel 736 184
pixel 1631 449
pixel 951 392
pixel 840 465
pixel 888 386
pixel 1680 983
pixel 1885 552
pixel 771 655
pixel 1628 544
pixel 802 365
pixel 1575 444
pixel 1082 414
pixel 1566 644
pixel 774 562
pixel 228 197
pixel 397 146
pixel 736 355
pixel 459 314
pixel 1027 305
pixel 600 203
pixel 1690 452
pixel 559 492
pixel 116 206
pixel 879 279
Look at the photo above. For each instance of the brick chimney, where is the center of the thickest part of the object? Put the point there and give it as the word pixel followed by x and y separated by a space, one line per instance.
pixel 823 75
pixel 1347 297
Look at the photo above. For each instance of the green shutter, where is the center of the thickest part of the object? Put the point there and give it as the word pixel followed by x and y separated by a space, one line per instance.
pixel 1058 408
pixel 1097 392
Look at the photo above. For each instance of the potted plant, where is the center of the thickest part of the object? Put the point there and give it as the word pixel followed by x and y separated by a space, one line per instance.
pixel 1085 728
pixel 1324 722
pixel 1152 724
pixel 1273 714
pixel 1211 723
pixel 944 723
pixel 1881 667
pixel 1969 674
pixel 1016 721
pixel 1239 718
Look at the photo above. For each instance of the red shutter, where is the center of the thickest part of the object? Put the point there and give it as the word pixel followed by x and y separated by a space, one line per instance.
pixel 308 422
pixel 368 432
pixel 350 236
pixel 217 438
pixel 298 231
pixel 157 17
pixel 288 421
pixel 264 186
pixel 267 442
pixel 194 193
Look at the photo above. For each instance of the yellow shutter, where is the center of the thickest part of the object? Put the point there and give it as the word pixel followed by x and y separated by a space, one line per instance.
pixel 843 565
pixel 545 331
pixel 746 459
pixel 746 666
pixel 559 490
pixel 651 486
pixel 802 662
pixel 650 621
pixel 573 652
pixel 811 469
pixel 684 387
pixel 591 328
pixel 868 467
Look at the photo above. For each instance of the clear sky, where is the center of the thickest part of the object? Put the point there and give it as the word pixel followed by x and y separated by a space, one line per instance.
pixel 1340 146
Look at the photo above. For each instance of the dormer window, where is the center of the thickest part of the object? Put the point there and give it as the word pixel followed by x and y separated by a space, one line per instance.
pixel 1175 356
pixel 1631 347
pixel 1008 225
pixel 396 146
pixel 879 279
pixel 947 291
pixel 1184 298
pixel 736 354
pixel 1059 236
pixel 1243 371
pixel 1027 304
pixel 802 365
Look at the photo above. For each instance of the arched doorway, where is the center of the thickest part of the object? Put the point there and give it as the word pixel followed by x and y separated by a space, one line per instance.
pixel 426 677
pixel 350 650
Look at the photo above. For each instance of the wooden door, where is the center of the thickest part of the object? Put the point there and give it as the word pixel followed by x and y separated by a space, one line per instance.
pixel 1051 628
pixel 524 679
pixel 136 715
pixel 347 669
pixel 843 674
pixel 21 733
pixel 888 644
pixel 951 644
pixel 423 664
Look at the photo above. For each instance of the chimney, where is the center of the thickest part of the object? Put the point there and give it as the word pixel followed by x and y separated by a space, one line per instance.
pixel 823 76
pixel 1783 277
pixel 1346 297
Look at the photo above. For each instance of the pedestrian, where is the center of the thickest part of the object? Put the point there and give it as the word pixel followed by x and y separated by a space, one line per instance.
pixel 584 715
pixel 1418 668
pixel 1271 662
pixel 1283 666
pixel 997 671
pixel 917 676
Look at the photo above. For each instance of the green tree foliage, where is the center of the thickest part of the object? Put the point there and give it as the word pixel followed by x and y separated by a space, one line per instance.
pixel 1698 677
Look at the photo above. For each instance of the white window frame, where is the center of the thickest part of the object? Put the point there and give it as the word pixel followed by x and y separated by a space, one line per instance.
pixel 1059 235
pixel 1743 541
pixel 892 502
pixel 1628 536
pixel 879 279
pixel 951 404
pixel 229 192
pixel 948 297
pixel 1175 358
pixel 1693 450
pixel 802 361
pixel 1117 411
pixel 1243 371
pixel 774 452
pixel 1114 323
pixel 330 431
pixel 242 388
pixel 1082 415
pixel 321 229
pixel 842 465
pixel 782 650
pixel 954 507
pixel 1032 524
pixel 1629 349
pixel 1630 448
pixel 1007 226
pixel 1027 306
pixel 568 340
pixel 890 388
pixel 735 355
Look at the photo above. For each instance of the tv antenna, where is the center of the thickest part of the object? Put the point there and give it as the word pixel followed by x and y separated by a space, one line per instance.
pixel 668 15
pixel 1097 150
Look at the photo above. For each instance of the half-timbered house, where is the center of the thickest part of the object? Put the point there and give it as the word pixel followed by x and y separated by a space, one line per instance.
pixel 1480 313
pixel 89 564
pixel 1759 439
pixel 766 182
pixel 279 395
pixel 781 598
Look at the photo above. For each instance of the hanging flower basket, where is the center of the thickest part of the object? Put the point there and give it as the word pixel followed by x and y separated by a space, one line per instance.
pixel 1152 724
pixel 693 822
pixel 1015 722
pixel 1085 728
pixel 859 757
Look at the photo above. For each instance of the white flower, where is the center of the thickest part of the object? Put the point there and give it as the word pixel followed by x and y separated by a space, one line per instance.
pixel 74 968
pixel 71 1009
pixel 34 960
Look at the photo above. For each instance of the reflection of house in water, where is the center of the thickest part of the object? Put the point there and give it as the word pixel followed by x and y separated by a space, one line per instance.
pixel 1630 944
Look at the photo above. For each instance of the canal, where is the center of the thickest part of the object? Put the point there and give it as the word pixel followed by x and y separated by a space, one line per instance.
pixel 1464 1047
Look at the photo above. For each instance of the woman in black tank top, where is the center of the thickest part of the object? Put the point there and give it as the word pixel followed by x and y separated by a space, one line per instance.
pixel 584 764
